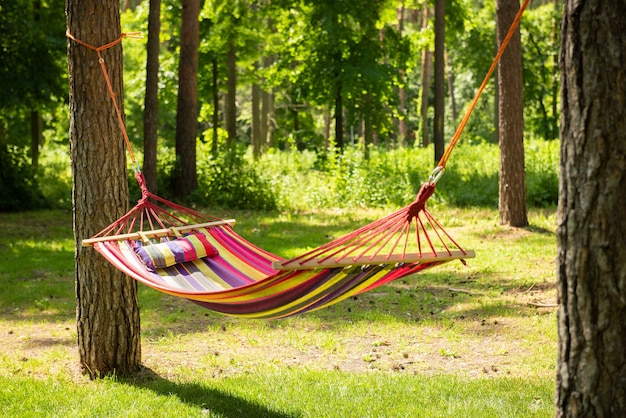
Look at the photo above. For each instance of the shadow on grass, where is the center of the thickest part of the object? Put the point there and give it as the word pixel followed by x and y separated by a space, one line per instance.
pixel 209 400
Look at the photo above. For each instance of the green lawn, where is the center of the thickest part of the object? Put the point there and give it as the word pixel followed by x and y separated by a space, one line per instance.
pixel 472 341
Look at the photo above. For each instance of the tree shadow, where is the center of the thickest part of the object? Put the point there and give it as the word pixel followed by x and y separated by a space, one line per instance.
pixel 209 400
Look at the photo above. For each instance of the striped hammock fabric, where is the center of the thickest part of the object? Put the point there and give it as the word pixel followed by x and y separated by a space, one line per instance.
pixel 205 261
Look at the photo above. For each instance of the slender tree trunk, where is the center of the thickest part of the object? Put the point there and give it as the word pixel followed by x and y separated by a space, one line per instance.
pixel 440 12
pixel 230 108
pixel 511 120
pixel 186 179
pixel 591 234
pixel 327 124
pixel 107 312
pixel 151 101
pixel 216 105
pixel 426 69
pixel 402 126
pixel 36 137
pixel 339 117
pixel 256 118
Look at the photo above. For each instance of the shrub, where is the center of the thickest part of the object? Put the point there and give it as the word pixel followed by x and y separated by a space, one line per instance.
pixel 19 189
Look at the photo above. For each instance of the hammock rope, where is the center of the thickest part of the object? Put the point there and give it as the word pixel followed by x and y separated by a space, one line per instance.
pixel 241 279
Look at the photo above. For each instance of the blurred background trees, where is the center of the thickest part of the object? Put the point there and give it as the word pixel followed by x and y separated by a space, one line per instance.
pixel 314 76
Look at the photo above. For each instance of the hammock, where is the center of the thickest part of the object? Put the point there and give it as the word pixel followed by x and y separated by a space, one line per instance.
pixel 188 254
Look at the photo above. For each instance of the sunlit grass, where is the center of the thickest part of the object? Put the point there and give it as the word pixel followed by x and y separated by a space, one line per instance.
pixel 453 341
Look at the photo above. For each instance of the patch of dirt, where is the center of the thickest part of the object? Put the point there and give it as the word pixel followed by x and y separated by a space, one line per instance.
pixel 212 345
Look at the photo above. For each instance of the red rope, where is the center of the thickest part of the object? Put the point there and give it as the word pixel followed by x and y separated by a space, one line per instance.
pixel 118 112
pixel 455 138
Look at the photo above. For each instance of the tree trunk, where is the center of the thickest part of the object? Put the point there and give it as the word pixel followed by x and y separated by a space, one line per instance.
pixel 230 105
pixel 338 117
pixel 402 126
pixel 36 137
pixel 216 105
pixel 426 69
pixel 256 117
pixel 186 179
pixel 440 12
pixel 107 311
pixel 151 101
pixel 511 110
pixel 591 235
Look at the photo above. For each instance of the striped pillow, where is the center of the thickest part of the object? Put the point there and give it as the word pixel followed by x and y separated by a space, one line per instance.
pixel 168 253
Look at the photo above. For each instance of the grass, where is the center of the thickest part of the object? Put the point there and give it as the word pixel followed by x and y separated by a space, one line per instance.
pixel 455 341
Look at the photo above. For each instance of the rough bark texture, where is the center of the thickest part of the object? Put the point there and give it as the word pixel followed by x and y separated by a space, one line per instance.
pixel 151 103
pixel 591 237
pixel 186 179
pixel 107 311
pixel 511 120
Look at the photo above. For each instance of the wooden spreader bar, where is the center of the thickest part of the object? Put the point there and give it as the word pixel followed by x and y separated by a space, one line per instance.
pixel 157 233
pixel 378 259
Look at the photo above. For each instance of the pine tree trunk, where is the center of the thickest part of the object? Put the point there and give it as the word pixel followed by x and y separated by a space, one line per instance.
pixel 591 235
pixel 230 105
pixel 36 137
pixel 107 311
pixel 186 179
pixel 339 117
pixel 511 120
pixel 151 101
pixel 216 105
pixel 256 118
pixel 438 123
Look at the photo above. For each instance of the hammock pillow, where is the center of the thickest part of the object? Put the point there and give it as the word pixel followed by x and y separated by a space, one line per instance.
pixel 168 253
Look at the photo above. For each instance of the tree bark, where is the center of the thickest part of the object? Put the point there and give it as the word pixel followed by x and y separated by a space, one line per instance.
pixel 591 235
pixel 107 311
pixel 186 179
pixel 438 137
pixel 151 101
pixel 511 120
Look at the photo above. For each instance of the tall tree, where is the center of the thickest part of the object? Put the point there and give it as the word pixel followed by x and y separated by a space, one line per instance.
pixel 186 178
pixel 511 119
pixel 230 101
pixel 107 311
pixel 440 25
pixel 151 101
pixel 591 235
pixel 426 69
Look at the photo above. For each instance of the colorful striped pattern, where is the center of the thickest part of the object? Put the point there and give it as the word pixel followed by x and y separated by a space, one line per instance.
pixel 239 279
pixel 180 250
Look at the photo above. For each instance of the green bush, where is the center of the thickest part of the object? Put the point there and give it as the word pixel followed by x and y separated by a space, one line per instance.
pixel 303 180
pixel 19 189
pixel 229 180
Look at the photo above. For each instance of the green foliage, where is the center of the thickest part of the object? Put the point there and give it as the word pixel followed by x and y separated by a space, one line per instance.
pixel 19 189
pixel 392 177
pixel 229 181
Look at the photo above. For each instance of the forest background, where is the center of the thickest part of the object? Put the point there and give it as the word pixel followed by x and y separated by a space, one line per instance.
pixel 286 65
